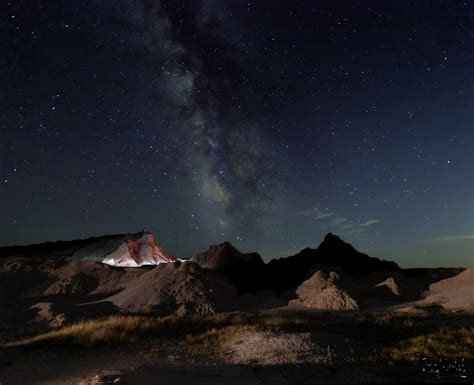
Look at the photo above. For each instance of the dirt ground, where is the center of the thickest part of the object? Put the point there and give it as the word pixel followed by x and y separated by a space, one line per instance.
pixel 153 367
pixel 253 357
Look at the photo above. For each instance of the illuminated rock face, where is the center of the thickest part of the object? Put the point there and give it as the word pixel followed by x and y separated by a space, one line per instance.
pixel 140 249
pixel 326 291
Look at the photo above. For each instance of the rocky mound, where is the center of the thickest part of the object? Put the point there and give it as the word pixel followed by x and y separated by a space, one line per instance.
pixel 460 299
pixel 464 279
pixel 20 274
pixel 48 316
pixel 453 294
pixel 180 287
pixel 391 284
pixel 139 250
pixel 244 270
pixel 324 291
pixel 78 284
pixel 383 288
pixel 225 255
pixel 89 277
pixel 385 285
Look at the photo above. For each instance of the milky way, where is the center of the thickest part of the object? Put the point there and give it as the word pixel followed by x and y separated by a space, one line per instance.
pixel 219 148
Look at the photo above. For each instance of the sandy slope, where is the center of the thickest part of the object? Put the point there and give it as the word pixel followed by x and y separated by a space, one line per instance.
pixel 96 276
pixel 455 293
pixel 464 279
pixel 181 286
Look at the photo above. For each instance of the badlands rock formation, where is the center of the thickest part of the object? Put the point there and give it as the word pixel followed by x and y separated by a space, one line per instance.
pixel 325 291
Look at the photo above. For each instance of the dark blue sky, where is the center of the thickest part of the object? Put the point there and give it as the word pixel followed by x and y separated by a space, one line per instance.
pixel 266 123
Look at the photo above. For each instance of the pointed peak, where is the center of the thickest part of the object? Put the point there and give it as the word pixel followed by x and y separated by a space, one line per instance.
pixel 331 236
pixel 224 255
pixel 334 243
pixel 226 245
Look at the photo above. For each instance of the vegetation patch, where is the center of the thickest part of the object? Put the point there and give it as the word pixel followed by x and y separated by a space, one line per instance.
pixel 126 329
pixel 450 343
pixel 384 338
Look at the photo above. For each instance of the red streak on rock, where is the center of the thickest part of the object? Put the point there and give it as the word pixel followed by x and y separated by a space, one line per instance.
pixel 146 248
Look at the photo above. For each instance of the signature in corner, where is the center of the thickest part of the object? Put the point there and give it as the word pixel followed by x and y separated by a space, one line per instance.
pixel 444 368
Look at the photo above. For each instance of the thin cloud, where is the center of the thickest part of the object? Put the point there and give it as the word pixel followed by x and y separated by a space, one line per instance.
pixel 334 222
pixel 323 216
pixel 314 214
pixel 347 226
pixel 453 238
pixel 337 221
pixel 370 222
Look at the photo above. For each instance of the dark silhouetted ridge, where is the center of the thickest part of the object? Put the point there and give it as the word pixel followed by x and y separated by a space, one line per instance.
pixel 285 273
pixel 64 247
pixel 244 270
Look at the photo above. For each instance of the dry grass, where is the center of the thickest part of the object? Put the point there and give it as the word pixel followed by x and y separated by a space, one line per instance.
pixel 386 338
pixel 450 343
pixel 202 331
pixel 116 329
pixel 211 340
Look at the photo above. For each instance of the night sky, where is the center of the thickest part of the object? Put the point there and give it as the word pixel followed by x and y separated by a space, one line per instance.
pixel 265 123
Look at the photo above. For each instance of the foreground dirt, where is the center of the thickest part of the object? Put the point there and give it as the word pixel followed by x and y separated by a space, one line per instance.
pixel 134 368
pixel 330 352
pixel 152 366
